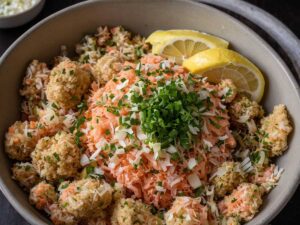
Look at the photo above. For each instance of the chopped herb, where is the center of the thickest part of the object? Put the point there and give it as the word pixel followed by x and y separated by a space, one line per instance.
pixel 175 156
pixel 89 170
pixel 54 106
pixel 64 186
pixel 255 157
pixel 74 98
pixel 167 114
pixel 198 191
pixel 216 125
pixel 113 110
pixel 27 168
pixel 160 215
pixel 153 171
pixel 134 121
pixel 110 42
pixel 138 69
pixel 86 58
pixel 111 96
pixel 127 68
pixel 56 156
pixel 82 106
pixel 139 52
pixel 77 137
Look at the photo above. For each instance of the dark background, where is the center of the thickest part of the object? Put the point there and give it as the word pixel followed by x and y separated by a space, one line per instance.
pixel 285 10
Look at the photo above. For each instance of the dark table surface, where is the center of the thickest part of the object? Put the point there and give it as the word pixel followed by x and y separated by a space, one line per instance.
pixel 287 11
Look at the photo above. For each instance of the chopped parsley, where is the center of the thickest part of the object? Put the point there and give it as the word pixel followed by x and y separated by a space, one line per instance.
pixel 168 113
pixel 56 156
pixel 82 107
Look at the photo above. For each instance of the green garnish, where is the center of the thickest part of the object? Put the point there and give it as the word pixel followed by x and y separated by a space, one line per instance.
pixel 89 170
pixel 168 114
pixel 82 107
pixel 215 124
pixel 198 191
pixel 56 156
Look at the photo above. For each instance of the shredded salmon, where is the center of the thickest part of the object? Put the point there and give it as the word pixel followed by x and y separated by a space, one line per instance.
pixel 152 180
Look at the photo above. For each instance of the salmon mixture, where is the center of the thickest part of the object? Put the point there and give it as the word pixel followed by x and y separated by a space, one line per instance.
pixel 117 135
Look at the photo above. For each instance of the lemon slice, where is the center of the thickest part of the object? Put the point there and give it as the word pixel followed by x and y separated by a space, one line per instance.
pixel 219 63
pixel 181 44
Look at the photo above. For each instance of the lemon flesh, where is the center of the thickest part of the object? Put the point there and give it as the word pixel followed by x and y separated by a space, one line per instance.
pixel 181 44
pixel 219 63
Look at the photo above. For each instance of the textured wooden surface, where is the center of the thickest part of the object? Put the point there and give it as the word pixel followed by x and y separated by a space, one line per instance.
pixel 286 10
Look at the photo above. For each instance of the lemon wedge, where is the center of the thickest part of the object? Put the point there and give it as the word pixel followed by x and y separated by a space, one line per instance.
pixel 219 63
pixel 181 44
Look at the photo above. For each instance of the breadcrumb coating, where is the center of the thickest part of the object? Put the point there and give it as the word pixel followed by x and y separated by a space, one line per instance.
pixel 25 174
pixel 86 198
pixel 34 83
pixel 267 177
pixel 20 140
pixel 274 131
pixel 243 202
pixel 59 217
pixel 56 157
pixel 129 211
pixel 42 196
pixel 68 82
pixel 107 67
pixel 187 211
pixel 242 109
pixel 228 176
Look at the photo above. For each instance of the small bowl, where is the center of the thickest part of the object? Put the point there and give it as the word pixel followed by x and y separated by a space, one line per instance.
pixel 21 17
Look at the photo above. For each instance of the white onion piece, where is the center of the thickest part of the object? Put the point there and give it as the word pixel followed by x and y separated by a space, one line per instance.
pixel 171 149
pixel 122 85
pixel 194 181
pixel 192 163
pixel 84 160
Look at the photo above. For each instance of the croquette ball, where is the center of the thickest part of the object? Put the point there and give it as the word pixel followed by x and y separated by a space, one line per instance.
pixel 243 202
pixel 95 221
pixel 187 211
pixel 228 176
pixel 33 91
pixel 274 131
pixel 42 196
pixel 231 221
pixel 68 82
pixel 86 198
pixel 25 174
pixel 243 109
pixel 129 211
pixel 20 140
pixel 59 217
pixel 56 157
pixel 106 68
pixel 267 177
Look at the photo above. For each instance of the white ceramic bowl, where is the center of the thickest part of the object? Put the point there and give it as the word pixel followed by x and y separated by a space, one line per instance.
pixel 22 17
pixel 68 26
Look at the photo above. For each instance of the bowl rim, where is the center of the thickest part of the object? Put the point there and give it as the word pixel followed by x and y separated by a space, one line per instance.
pixel 22 12
pixel 292 80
